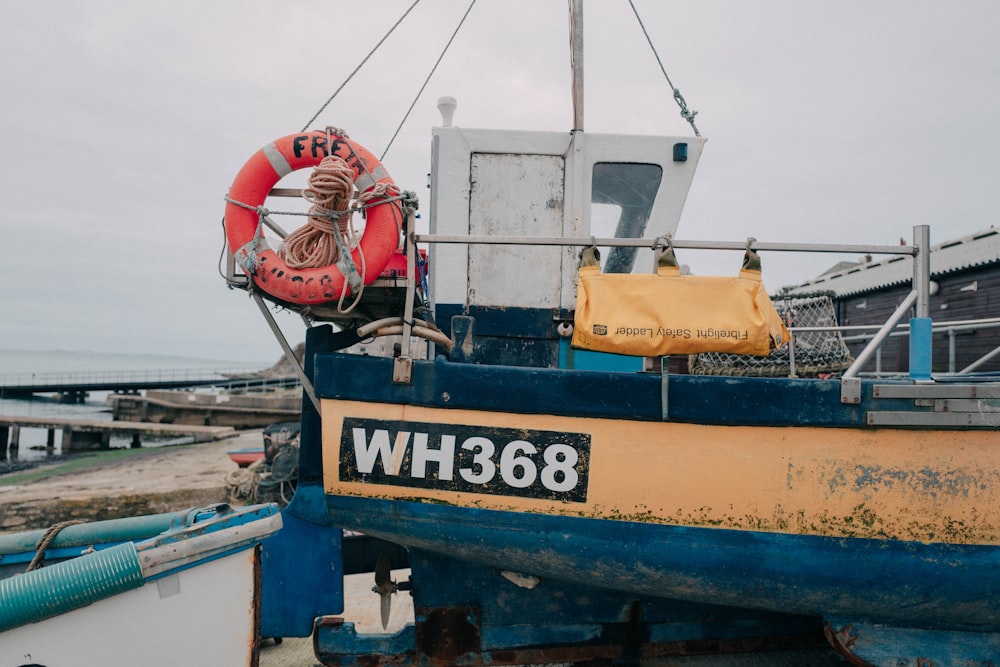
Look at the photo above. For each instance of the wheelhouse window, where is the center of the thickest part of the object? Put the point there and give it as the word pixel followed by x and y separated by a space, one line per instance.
pixel 622 199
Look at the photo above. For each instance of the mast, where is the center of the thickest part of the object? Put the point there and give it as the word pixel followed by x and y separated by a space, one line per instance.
pixel 576 60
pixel 575 167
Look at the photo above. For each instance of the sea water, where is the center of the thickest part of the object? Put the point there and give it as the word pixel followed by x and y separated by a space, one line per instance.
pixel 17 365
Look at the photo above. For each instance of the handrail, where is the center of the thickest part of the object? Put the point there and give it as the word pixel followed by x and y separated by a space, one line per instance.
pixel 950 327
pixel 979 362
pixel 918 299
pixel 958 325
pixel 883 333
pixel 583 241
pixel 80 377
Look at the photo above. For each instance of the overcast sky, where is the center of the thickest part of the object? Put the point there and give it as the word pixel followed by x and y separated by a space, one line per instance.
pixel 124 123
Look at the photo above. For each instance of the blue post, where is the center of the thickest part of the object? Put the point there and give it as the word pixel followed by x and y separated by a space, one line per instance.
pixel 920 325
pixel 920 348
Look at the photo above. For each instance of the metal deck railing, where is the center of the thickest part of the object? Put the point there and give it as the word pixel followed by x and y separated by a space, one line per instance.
pixel 25 384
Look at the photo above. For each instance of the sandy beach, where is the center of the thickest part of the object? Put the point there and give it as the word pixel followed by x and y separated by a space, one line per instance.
pixel 142 481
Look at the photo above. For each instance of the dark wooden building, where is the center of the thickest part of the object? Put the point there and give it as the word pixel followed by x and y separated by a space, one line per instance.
pixel 965 285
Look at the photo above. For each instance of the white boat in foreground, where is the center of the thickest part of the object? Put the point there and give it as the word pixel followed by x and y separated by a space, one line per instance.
pixel 187 596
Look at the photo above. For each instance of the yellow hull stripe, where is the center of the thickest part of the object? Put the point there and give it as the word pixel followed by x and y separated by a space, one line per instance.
pixel 923 485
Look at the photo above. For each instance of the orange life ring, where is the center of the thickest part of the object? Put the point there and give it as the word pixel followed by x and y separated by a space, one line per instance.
pixel 307 286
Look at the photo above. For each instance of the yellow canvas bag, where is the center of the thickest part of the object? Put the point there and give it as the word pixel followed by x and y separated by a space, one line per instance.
pixel 654 315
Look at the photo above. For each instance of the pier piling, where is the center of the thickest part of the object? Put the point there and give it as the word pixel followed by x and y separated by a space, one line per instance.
pixel 88 434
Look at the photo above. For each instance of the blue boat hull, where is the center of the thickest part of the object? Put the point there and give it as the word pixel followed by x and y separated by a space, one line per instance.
pixel 954 586
pixel 787 503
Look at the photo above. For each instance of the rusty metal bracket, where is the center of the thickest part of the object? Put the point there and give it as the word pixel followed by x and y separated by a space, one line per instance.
pixel 403 364
pixel 401 369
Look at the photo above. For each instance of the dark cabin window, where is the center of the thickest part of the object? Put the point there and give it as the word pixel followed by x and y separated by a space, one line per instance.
pixel 622 199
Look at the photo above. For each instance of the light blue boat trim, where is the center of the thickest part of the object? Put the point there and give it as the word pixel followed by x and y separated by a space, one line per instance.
pixel 586 360
pixel 879 644
pixel 50 591
pixel 96 532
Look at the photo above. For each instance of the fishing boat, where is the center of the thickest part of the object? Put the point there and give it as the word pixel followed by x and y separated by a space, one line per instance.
pixel 563 498
pixel 114 592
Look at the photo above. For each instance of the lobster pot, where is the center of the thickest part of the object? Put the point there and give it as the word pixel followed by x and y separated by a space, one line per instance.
pixel 816 352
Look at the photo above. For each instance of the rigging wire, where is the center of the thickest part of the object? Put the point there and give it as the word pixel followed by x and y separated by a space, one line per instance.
pixel 360 65
pixel 427 80
pixel 685 113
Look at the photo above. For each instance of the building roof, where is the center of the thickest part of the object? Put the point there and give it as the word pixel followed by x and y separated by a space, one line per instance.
pixel 978 249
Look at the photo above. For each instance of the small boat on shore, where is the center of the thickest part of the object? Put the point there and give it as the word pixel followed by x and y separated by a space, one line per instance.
pixel 246 456
pixel 110 593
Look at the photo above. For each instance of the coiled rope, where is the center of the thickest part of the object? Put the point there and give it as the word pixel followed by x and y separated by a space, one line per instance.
pixel 329 234
pixel 243 483
pixel 328 229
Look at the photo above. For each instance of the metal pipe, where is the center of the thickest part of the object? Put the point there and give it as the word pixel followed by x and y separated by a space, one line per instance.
pixel 289 354
pixel 411 283
pixel 970 325
pixel 921 326
pixel 791 355
pixel 647 243
pixel 883 333
pixel 274 227
pixel 982 360
pixel 957 325
pixel 922 270
pixel 951 350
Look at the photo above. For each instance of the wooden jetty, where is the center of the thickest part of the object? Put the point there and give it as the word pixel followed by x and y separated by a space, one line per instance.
pixel 241 411
pixel 96 434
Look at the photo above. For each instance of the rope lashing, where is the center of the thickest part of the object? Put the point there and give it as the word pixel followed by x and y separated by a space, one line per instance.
pixel 387 193
pixel 686 113
pixel 43 544
pixel 261 211
pixel 751 260
pixel 328 230
pixel 665 246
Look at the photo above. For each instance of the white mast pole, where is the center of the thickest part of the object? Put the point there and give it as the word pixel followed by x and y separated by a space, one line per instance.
pixel 578 218
pixel 576 60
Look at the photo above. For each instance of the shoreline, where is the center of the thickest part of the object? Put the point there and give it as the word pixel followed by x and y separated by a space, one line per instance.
pixel 119 483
